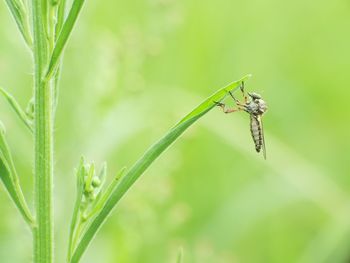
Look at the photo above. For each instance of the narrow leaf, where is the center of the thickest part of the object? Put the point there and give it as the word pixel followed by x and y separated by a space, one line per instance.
pixel 9 177
pixel 217 96
pixel 145 161
pixel 60 17
pixel 61 11
pixel 18 12
pixel 64 36
pixel 17 108
pixel 80 187
pixel 112 186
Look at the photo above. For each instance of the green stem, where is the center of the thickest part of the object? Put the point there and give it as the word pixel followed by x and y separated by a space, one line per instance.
pixel 43 137
pixel 75 237
pixel 43 236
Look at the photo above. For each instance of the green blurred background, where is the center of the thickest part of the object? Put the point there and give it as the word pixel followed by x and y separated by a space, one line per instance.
pixel 133 68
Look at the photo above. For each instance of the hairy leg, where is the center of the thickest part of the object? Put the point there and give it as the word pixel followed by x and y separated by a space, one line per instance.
pixel 226 110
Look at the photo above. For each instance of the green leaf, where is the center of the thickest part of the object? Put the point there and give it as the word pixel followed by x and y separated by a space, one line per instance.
pixel 112 186
pixel 81 173
pixel 20 15
pixel 60 17
pixel 17 108
pixel 64 35
pixel 145 161
pixel 9 177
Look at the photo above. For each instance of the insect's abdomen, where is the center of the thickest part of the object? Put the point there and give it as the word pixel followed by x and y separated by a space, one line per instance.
pixel 256 131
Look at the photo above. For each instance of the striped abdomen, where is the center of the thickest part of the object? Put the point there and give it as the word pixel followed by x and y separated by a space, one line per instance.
pixel 256 131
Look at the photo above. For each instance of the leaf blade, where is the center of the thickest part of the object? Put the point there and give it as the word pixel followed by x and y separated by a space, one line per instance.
pixel 146 160
pixel 17 108
pixel 60 17
pixel 19 15
pixel 80 185
pixel 64 35
pixel 9 177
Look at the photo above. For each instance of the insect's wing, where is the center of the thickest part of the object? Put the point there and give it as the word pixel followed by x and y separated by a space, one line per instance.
pixel 263 137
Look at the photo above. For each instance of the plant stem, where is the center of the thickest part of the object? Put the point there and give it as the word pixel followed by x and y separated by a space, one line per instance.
pixel 43 236
pixel 43 137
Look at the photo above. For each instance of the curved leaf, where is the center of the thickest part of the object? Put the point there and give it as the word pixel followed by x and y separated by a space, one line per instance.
pixel 64 34
pixel 15 106
pixel 80 174
pixel 20 16
pixel 9 177
pixel 145 161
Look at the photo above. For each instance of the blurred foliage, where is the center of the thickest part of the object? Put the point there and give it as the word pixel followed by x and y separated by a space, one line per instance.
pixel 136 67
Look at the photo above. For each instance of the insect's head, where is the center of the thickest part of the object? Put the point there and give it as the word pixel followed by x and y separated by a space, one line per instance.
pixel 254 96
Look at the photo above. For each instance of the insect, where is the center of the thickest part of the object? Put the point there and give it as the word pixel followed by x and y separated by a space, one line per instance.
pixel 255 106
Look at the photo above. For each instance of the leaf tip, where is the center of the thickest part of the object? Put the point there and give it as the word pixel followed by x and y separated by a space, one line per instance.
pixel 248 76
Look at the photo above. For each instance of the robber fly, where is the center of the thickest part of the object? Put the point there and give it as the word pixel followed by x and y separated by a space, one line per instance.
pixel 255 106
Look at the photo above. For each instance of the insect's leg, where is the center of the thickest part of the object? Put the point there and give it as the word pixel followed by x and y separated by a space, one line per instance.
pixel 243 92
pixel 236 101
pixel 223 107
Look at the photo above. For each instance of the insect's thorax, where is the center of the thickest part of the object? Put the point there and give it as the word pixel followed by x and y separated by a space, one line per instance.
pixel 256 107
